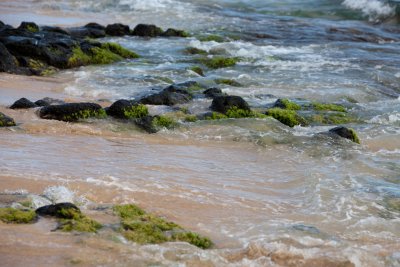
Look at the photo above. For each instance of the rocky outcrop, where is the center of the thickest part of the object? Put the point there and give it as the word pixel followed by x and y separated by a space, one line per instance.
pixel 126 109
pixel 117 29
pixel 72 112
pixel 224 103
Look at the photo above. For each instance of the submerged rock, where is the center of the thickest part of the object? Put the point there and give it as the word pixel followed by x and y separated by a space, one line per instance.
pixel 147 30
pixel 72 111
pixel 213 92
pixel 125 109
pixel 23 103
pixel 117 29
pixel 345 133
pixel 47 101
pixel 174 33
pixel 224 103
pixel 153 124
pixel 6 121
pixel 170 96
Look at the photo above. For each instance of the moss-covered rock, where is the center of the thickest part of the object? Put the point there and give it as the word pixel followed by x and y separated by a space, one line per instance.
pixel 285 103
pixel 164 122
pixel 175 33
pixel 330 118
pixel 143 228
pixel 119 50
pixel 6 121
pixel 287 117
pixel 191 118
pixel 224 103
pixel 215 116
pixel 229 82
pixel 218 62
pixel 211 38
pixel 11 215
pixel 125 109
pixel 197 70
pixel 327 107
pixel 72 112
pixel 29 26
pixel 195 51
pixel 347 133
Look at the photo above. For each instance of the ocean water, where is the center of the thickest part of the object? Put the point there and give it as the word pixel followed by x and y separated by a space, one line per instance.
pixel 267 194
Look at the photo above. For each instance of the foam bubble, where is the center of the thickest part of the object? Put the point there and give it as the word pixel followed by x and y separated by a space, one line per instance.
pixel 372 8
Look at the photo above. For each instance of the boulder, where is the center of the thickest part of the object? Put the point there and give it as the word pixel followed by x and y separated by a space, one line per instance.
pixel 59 210
pixel 23 103
pixel 6 121
pixel 54 29
pixel 47 101
pixel 213 92
pixel 346 133
pixel 8 63
pixel 174 33
pixel 170 96
pixel 86 32
pixel 126 109
pixel 29 26
pixel 146 123
pixel 71 111
pixel 95 25
pixel 117 29
pixel 223 103
pixel 147 30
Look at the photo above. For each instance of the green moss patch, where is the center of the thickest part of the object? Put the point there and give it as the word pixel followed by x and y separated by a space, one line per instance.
pixel 85 114
pixel 195 51
pixel 191 118
pixel 327 107
pixel 220 62
pixel 105 54
pixel 229 82
pixel 143 228
pixel 287 117
pixel 11 215
pixel 198 70
pixel 136 111
pixel 216 116
pixel 330 118
pixel 164 122
pixel 211 37
pixel 76 221
pixel 285 103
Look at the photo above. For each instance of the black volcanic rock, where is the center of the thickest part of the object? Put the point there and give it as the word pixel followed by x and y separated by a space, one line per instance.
pixel 23 103
pixel 59 210
pixel 223 103
pixel 146 30
pixel 117 29
pixel 71 111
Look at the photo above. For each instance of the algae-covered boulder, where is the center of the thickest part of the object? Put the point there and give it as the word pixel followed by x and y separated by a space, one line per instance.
pixel 147 30
pixel 70 217
pixel 125 109
pixel 23 103
pixel 59 210
pixel 117 29
pixel 287 117
pixel 224 103
pixel 72 112
pixel 29 26
pixel 153 124
pixel 285 103
pixel 6 121
pixel 345 133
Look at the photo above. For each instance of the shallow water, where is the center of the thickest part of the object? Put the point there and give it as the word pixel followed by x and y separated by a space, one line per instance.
pixel 268 195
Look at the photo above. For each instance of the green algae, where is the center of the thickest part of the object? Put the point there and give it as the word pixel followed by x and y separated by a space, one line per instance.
pixel 143 228
pixel 191 118
pixel 287 117
pixel 229 82
pixel 220 62
pixel 136 111
pixel 327 107
pixel 287 104
pixel 331 118
pixel 195 51
pixel 11 215
pixel 197 70
pixel 105 54
pixel 164 122
pixel 32 28
pixel 119 50
pixel 211 38
pixel 216 116
pixel 74 220
pixel 6 122
pixel 354 136
pixel 85 114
